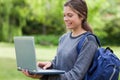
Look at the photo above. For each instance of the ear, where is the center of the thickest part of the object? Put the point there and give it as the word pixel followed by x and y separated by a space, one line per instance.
pixel 81 18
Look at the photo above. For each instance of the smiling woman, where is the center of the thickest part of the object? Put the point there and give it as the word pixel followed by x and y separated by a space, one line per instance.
pixel 75 15
pixel 67 58
pixel 74 64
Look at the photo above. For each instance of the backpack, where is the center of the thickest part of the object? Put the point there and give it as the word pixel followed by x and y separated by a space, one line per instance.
pixel 105 64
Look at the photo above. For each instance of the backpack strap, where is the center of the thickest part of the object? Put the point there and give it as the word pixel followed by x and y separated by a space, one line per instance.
pixel 82 39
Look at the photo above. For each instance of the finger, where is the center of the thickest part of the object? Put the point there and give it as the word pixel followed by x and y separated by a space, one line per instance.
pixel 41 64
pixel 25 72
pixel 30 75
pixel 36 76
pixel 46 66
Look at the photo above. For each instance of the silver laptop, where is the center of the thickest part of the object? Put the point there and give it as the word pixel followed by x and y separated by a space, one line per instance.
pixel 26 57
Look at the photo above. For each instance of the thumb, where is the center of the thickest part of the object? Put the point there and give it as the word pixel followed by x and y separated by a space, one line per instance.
pixel 47 66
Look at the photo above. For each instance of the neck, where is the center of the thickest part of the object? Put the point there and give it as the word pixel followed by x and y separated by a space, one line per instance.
pixel 76 32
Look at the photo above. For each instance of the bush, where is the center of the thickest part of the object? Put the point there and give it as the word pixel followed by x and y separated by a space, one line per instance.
pixel 46 39
pixel 113 32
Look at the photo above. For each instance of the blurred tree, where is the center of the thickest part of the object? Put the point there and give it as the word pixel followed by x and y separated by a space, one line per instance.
pixel 113 32
pixel 4 11
pixel 112 23
pixel 12 20
pixel 104 17
pixel 25 17
pixel 47 16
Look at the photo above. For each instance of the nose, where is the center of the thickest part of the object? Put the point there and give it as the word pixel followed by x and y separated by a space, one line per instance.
pixel 65 18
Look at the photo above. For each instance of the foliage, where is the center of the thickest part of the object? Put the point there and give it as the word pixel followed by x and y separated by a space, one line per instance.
pixel 26 17
pixel 12 19
pixel 101 12
pixel 112 30
pixel 46 15
pixel 105 20
pixel 46 39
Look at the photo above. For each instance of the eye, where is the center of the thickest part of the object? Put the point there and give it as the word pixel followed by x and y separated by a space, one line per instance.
pixel 64 15
pixel 70 15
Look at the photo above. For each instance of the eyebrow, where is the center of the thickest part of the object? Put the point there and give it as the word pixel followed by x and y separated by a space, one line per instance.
pixel 68 13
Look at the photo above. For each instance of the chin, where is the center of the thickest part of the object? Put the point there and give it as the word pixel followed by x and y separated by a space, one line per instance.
pixel 69 27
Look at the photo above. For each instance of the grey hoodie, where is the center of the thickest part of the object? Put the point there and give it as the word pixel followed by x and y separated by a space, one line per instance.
pixel 67 58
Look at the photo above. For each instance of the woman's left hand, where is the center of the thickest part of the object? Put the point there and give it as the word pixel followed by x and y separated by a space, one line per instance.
pixel 44 65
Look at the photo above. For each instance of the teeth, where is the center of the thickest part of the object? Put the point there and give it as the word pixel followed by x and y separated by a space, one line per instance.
pixel 68 23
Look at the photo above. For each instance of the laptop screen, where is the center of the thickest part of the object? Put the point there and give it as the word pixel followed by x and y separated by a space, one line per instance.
pixel 25 53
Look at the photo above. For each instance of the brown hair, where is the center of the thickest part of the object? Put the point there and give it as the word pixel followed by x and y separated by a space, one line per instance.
pixel 80 7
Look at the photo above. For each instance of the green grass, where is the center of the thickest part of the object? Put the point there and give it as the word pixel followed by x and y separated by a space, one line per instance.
pixel 8 63
pixel 9 72
pixel 43 53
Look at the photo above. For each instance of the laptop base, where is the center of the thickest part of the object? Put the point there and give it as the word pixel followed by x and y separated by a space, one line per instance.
pixel 48 72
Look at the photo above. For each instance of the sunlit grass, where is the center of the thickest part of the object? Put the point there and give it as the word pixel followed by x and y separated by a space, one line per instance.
pixel 8 70
pixel 42 52
pixel 8 62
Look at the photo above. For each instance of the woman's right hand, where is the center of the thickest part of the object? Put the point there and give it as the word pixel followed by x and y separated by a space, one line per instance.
pixel 44 65
pixel 35 76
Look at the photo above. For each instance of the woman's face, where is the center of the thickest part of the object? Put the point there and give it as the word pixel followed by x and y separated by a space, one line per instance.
pixel 71 19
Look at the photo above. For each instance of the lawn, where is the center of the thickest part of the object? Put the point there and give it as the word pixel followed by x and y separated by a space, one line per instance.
pixel 8 63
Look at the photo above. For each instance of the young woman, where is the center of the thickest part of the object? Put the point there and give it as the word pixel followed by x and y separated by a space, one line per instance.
pixel 67 58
